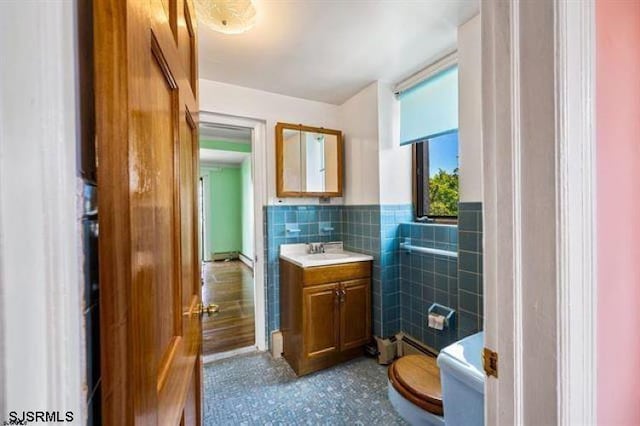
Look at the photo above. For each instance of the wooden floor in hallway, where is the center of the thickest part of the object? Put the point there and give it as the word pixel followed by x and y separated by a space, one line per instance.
pixel 230 286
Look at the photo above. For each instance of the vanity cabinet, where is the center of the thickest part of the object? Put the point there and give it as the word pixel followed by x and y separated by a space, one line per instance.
pixel 325 313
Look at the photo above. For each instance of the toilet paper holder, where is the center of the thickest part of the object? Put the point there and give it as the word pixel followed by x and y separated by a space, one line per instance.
pixel 445 311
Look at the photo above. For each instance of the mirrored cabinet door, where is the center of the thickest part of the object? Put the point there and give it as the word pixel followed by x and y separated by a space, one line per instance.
pixel 309 161
pixel 291 153
pixel 319 161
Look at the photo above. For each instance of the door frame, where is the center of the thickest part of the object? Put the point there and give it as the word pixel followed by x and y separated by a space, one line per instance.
pixel 259 174
pixel 205 249
pixel 41 321
pixel 538 78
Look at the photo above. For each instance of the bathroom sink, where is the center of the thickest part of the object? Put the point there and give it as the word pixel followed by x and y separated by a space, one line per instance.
pixel 298 254
pixel 328 256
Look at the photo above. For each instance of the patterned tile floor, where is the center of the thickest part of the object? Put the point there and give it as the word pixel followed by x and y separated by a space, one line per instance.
pixel 256 389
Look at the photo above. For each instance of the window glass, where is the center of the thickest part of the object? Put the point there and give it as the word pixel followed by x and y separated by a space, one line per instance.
pixel 437 176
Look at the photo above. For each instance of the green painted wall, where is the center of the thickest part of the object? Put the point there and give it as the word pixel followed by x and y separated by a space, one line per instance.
pixel 224 230
pixel 225 146
pixel 229 220
pixel 247 208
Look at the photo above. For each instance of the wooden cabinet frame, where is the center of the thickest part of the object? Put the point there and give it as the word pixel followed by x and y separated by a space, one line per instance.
pixel 280 127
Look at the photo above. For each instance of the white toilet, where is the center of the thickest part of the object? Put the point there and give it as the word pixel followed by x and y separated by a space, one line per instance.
pixel 451 395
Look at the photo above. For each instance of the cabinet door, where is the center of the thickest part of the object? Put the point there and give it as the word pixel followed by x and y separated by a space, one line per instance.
pixel 321 323
pixel 355 313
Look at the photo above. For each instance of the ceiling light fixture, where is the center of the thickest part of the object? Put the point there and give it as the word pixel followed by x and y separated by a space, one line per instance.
pixel 227 16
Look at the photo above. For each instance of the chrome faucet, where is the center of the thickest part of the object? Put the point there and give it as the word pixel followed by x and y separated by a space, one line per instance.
pixel 315 248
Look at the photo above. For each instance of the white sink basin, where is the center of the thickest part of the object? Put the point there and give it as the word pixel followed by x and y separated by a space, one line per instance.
pixel 297 254
pixel 327 256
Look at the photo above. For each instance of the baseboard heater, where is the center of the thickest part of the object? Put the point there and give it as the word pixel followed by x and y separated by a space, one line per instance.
pixel 246 260
pixel 399 345
pixel 407 345
pixel 229 255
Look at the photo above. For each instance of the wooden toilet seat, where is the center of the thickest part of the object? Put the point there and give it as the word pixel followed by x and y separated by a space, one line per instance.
pixel 417 378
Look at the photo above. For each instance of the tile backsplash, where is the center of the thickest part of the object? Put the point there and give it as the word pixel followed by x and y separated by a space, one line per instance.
pixel 449 281
pixel 291 225
pixel 369 229
pixel 361 233
pixel 403 285
pixel 426 279
pixel 373 229
pixel 391 218
pixel 470 269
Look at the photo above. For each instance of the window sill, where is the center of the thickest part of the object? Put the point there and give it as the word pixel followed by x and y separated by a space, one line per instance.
pixel 418 223
pixel 437 221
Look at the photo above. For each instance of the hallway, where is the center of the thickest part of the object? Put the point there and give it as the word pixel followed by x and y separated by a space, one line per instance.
pixel 230 286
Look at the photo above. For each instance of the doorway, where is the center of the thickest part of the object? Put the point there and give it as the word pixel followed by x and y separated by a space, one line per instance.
pixel 228 224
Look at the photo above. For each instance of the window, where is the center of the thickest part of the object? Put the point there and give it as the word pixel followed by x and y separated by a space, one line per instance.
pixel 429 122
pixel 436 177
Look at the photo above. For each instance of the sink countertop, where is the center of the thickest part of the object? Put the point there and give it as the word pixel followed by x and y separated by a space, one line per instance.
pixel 334 255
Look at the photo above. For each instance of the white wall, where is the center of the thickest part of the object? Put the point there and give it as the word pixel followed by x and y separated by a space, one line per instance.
pixel 246 175
pixel 358 119
pixel 271 108
pixel 470 107
pixel 359 122
pixel 395 161
pixel 377 168
pixel 205 174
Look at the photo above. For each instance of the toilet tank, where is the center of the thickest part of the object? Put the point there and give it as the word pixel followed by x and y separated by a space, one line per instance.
pixel 462 378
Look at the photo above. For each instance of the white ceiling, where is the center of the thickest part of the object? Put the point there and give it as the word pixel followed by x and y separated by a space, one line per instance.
pixel 328 50
pixel 217 157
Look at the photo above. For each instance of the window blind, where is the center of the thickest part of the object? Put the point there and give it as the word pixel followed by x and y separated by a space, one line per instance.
pixel 430 108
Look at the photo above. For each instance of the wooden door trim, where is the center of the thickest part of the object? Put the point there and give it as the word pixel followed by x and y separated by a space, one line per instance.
pixel 165 363
pixel 158 53
pixel 188 22
pixel 191 122
pixel 112 124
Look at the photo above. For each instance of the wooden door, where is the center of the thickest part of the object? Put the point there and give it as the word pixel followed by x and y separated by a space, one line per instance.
pixel 146 132
pixel 355 318
pixel 320 322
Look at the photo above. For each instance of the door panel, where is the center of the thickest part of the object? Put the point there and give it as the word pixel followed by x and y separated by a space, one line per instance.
pixel 170 10
pixel 354 307
pixel 188 146
pixel 187 46
pixel 155 226
pixel 320 322
pixel 147 173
